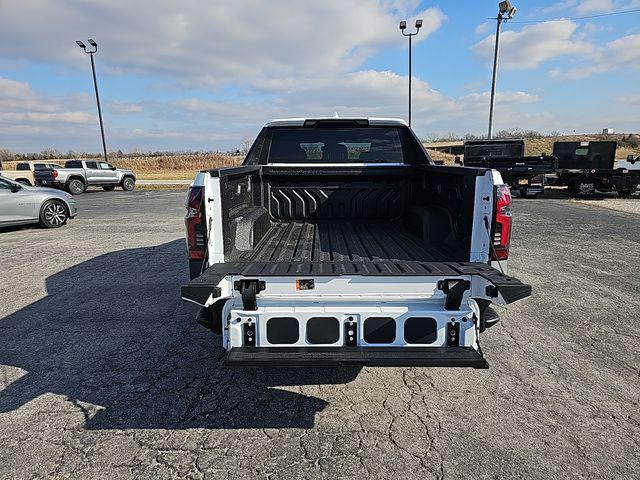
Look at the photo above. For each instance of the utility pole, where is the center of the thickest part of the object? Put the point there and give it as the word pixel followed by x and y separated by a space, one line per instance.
pixel 505 12
pixel 93 43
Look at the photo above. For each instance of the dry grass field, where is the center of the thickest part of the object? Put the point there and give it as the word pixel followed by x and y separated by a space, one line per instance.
pixel 184 167
pixel 169 167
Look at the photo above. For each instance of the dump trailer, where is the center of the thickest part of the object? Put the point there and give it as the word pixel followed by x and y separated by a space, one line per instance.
pixel 589 167
pixel 523 174
pixel 339 242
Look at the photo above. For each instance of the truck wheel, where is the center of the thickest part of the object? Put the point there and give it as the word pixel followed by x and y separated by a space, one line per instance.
pixel 108 188
pixel 53 214
pixel 128 184
pixel 76 187
pixel 624 193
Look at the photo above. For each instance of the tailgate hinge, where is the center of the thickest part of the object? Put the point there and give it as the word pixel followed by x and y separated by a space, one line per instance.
pixel 454 289
pixel 248 290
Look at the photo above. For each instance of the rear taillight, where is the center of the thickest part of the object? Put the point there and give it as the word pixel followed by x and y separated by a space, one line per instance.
pixel 501 237
pixel 194 224
pixel 54 173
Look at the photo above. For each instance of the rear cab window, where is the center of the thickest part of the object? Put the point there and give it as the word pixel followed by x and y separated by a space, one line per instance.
pixel 335 145
pixel 73 164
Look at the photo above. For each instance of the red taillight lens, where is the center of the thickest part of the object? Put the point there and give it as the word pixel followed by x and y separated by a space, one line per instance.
pixel 194 224
pixel 54 173
pixel 502 224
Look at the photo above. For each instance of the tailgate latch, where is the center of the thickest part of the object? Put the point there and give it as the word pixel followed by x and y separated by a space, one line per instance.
pixel 454 289
pixel 248 290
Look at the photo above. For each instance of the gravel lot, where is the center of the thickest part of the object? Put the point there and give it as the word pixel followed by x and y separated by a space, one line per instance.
pixel 104 374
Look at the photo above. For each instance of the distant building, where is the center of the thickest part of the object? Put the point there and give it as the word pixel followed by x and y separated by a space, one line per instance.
pixel 607 131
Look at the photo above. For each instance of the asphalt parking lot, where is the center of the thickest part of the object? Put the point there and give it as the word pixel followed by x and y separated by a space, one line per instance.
pixel 104 373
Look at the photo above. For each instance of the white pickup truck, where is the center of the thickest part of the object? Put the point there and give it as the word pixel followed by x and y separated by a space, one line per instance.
pixel 339 242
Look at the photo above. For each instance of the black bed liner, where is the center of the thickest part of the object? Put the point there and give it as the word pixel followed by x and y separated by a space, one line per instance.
pixel 343 241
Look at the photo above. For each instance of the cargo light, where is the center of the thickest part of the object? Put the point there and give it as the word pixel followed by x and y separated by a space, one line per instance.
pixel 501 237
pixel 193 222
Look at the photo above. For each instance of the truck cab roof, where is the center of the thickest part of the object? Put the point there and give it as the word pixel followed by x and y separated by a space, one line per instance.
pixel 300 122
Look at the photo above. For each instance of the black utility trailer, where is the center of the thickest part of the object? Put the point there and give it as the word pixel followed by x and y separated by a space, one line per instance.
pixel 588 167
pixel 525 175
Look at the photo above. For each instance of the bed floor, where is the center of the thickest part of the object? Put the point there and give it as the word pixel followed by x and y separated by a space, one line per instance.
pixel 363 241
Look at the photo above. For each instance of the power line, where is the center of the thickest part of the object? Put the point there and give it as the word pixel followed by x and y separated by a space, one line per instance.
pixel 588 17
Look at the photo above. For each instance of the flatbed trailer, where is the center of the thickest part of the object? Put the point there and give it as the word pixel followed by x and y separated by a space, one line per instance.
pixel 589 167
pixel 524 174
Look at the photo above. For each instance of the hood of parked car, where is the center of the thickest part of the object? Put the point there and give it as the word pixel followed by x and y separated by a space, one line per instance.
pixel 50 191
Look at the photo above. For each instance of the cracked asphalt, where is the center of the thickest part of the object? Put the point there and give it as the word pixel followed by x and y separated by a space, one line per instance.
pixel 104 373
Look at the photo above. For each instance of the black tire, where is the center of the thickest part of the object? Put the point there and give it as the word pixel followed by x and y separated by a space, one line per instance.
pixel 75 186
pixel 22 181
pixel 128 184
pixel 108 188
pixel 53 214
pixel 624 193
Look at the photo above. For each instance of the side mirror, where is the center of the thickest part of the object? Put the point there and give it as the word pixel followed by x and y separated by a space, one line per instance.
pixel 15 188
pixel 113 168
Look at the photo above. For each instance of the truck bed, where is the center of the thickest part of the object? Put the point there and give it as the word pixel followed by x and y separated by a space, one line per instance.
pixel 340 241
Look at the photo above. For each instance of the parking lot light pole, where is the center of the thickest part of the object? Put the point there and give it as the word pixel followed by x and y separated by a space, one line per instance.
pixel 93 44
pixel 505 12
pixel 403 27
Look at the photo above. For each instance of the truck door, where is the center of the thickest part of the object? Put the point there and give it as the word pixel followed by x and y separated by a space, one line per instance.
pixel 15 206
pixel 108 173
pixel 92 172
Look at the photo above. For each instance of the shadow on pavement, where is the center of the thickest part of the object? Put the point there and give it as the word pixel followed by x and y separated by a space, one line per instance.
pixel 113 332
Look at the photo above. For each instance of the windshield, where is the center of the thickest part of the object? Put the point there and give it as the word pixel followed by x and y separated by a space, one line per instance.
pixel 336 145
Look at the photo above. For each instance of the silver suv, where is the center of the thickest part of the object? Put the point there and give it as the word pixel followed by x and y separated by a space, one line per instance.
pixel 77 175
pixel 21 204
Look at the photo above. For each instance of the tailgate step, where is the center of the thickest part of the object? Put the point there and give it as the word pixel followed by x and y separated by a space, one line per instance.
pixel 351 356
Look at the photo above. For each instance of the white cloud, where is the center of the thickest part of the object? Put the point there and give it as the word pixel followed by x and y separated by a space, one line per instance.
pixel 211 43
pixel 19 103
pixel 620 54
pixel 484 27
pixel 123 107
pixel 533 45
pixel 629 99
pixel 587 7
pixel 363 94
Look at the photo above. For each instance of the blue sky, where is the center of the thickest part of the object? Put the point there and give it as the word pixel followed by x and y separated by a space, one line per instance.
pixel 206 75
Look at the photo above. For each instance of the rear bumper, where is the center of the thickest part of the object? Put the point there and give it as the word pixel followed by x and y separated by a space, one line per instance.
pixel 354 356
pixel 49 183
